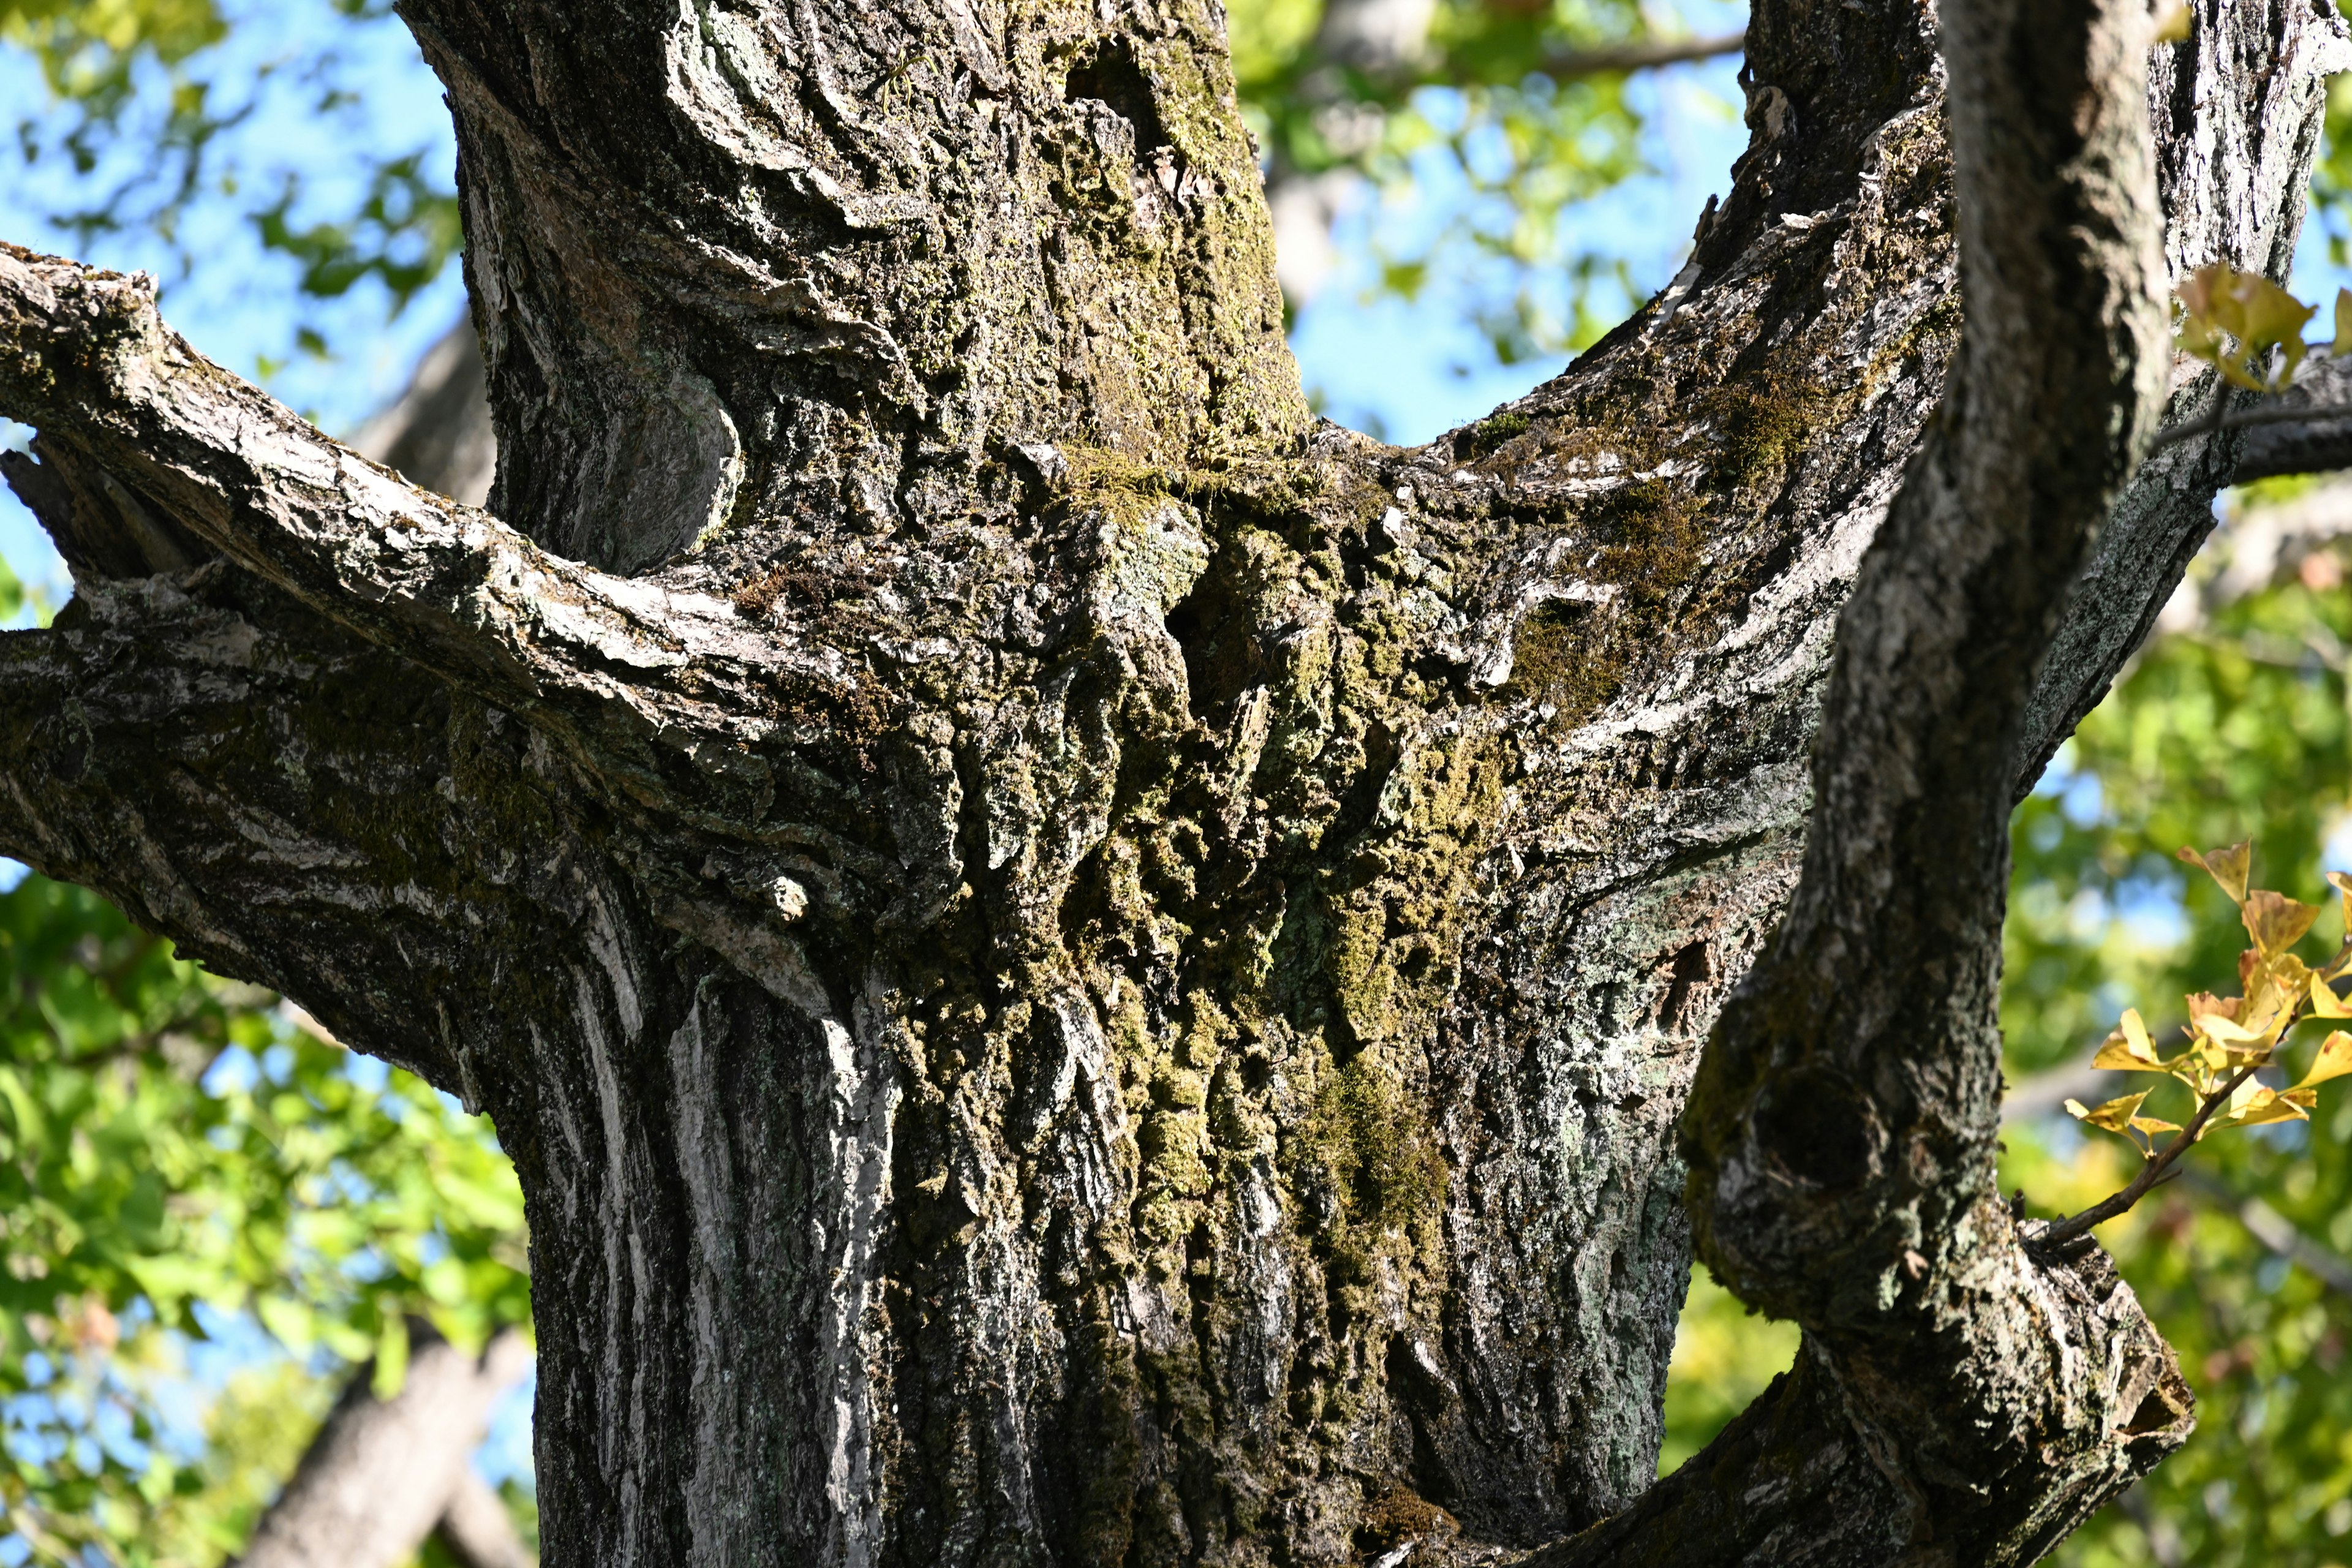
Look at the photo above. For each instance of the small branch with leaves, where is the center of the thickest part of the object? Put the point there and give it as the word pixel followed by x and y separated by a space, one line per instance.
pixel 2250 330
pixel 2230 1040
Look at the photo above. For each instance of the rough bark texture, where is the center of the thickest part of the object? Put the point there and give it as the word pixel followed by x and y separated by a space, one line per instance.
pixel 1080 970
pixel 381 1474
pixel 1841 1133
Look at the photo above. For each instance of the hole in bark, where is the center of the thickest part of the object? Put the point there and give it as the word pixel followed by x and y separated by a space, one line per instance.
pixel 2157 1413
pixel 1690 972
pixel 1257 1070
pixel 1818 1128
pixel 1112 78
pixel 1220 653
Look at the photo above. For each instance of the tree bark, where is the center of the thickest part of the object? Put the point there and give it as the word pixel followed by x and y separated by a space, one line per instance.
pixel 372 1472
pixel 1078 968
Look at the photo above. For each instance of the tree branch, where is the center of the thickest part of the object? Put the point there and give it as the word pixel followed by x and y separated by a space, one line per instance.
pixel 382 1474
pixel 1840 1133
pixel 2305 429
pixel 665 688
pixel 2154 1172
pixel 2236 113
pixel 476 1530
pixel 262 786
pixel 1566 65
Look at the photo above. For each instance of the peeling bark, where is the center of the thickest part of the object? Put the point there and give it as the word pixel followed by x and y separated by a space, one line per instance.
pixel 1079 969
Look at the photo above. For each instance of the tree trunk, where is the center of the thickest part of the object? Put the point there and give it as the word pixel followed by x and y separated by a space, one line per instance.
pixel 1080 969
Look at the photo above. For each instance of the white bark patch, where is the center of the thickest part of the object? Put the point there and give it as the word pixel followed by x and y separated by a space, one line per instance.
pixel 715 1495
pixel 857 1087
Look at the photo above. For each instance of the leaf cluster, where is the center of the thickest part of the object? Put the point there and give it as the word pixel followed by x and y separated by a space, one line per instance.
pixel 2243 720
pixel 2249 328
pixel 2232 1037
pixel 178 1154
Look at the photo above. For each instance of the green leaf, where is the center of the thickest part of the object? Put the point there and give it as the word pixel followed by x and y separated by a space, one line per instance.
pixel 391 1357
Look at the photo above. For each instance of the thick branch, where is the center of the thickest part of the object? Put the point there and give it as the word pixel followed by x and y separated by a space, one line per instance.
pixel 670 692
pixel 381 1473
pixel 2307 445
pixel 737 278
pixel 265 788
pixel 2237 113
pixel 1840 1133
pixel 475 1527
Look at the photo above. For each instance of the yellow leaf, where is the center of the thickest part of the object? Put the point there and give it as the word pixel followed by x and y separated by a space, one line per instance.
pixel 2261 1107
pixel 2229 1034
pixel 2228 866
pixel 2151 1124
pixel 2114 1116
pixel 2197 292
pixel 2129 1049
pixel 2236 375
pixel 2335 1059
pixel 2200 1003
pixel 2275 921
pixel 2172 24
pixel 2342 343
pixel 2325 1003
pixel 2234 320
pixel 2269 315
pixel 2278 986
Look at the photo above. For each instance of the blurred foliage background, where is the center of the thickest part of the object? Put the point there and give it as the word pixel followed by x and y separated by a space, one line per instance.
pixel 209 1214
pixel 2235 721
pixel 185 1164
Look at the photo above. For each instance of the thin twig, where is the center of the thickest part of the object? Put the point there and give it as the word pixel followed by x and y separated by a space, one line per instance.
pixel 2299 414
pixel 2151 1174
pixel 1568 63
pixel 2274 1231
